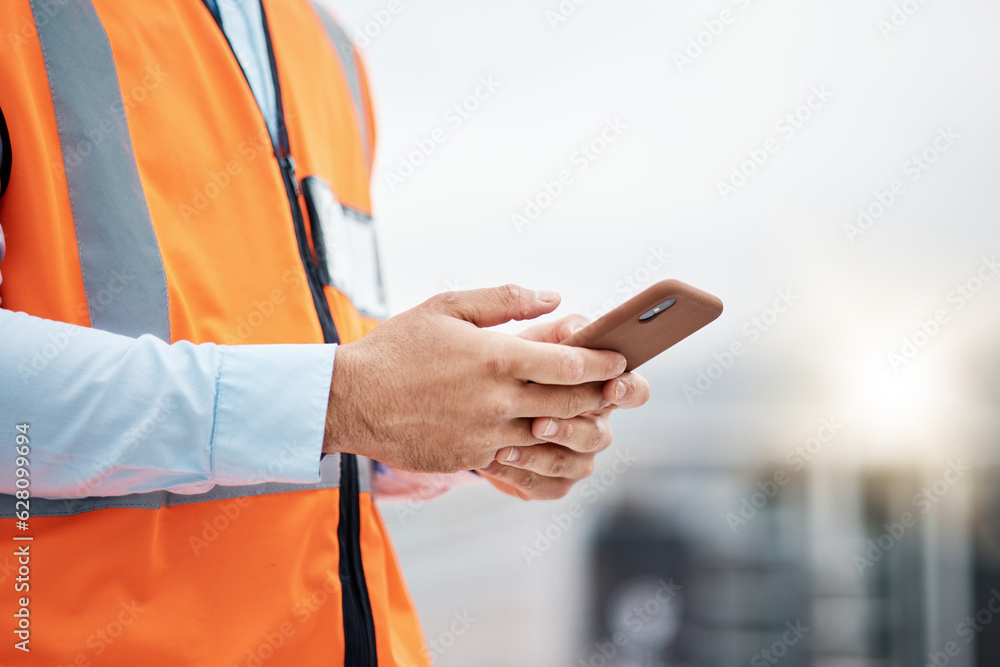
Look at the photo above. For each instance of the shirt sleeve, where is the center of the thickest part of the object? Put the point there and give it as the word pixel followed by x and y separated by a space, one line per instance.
pixel 110 415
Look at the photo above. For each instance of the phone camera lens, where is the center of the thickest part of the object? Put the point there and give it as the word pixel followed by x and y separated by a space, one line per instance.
pixel 650 314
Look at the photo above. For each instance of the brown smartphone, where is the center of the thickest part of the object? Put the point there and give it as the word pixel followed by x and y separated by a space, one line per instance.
pixel 650 322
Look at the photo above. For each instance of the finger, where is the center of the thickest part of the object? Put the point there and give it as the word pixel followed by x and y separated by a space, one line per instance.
pixel 549 460
pixel 561 401
pixel 589 433
pixel 545 363
pixel 528 484
pixel 504 486
pixel 495 305
pixel 629 390
pixel 517 433
pixel 555 332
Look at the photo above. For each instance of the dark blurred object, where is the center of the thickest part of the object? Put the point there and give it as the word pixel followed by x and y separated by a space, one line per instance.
pixel 725 609
pixel 986 570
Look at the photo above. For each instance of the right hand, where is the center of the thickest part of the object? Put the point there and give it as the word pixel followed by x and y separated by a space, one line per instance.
pixel 430 390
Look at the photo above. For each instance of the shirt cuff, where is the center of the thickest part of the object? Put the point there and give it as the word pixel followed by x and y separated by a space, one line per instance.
pixel 270 413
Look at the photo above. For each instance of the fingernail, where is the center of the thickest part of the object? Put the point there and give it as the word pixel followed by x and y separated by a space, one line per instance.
pixel 622 363
pixel 547 295
pixel 575 328
pixel 511 455
pixel 620 390
pixel 550 428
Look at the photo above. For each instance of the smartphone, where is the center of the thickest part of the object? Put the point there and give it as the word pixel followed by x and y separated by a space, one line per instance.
pixel 650 322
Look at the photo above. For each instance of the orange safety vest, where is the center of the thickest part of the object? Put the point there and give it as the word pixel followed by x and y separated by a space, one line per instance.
pixel 146 198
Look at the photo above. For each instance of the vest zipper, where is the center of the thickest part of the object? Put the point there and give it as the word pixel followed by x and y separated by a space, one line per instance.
pixel 359 626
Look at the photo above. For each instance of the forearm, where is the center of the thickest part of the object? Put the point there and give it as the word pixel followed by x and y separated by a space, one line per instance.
pixel 112 415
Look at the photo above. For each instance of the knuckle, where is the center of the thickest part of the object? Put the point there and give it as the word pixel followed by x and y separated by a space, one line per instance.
pixel 497 361
pixel 597 438
pixel 527 481
pixel 606 436
pixel 616 365
pixel 479 460
pixel 510 293
pixel 504 409
pixel 570 325
pixel 588 467
pixel 573 366
pixel 526 457
pixel 449 299
pixel 572 404
pixel 560 464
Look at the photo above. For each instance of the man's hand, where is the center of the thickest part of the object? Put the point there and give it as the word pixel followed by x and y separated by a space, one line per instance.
pixel 431 391
pixel 550 470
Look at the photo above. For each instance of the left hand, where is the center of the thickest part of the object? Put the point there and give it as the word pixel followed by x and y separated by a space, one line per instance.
pixel 549 470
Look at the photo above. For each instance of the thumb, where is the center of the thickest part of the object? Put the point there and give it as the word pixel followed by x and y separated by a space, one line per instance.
pixel 496 305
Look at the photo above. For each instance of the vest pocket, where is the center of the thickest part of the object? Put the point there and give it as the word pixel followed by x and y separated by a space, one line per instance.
pixel 346 248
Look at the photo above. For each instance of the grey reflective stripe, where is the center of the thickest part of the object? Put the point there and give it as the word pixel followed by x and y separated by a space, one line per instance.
pixel 123 274
pixel 329 479
pixel 366 473
pixel 345 50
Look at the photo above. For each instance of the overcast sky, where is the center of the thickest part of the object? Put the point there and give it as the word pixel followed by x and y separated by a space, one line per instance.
pixel 692 91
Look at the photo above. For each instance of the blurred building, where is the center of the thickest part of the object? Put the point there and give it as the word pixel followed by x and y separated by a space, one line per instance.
pixel 702 563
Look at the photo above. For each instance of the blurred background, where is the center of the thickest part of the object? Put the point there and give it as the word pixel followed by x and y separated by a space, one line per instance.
pixel 815 480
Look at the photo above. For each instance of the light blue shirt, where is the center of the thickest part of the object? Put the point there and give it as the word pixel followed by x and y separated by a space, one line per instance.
pixel 243 23
pixel 111 415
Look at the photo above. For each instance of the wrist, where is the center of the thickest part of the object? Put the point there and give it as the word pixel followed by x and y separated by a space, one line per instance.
pixel 342 415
